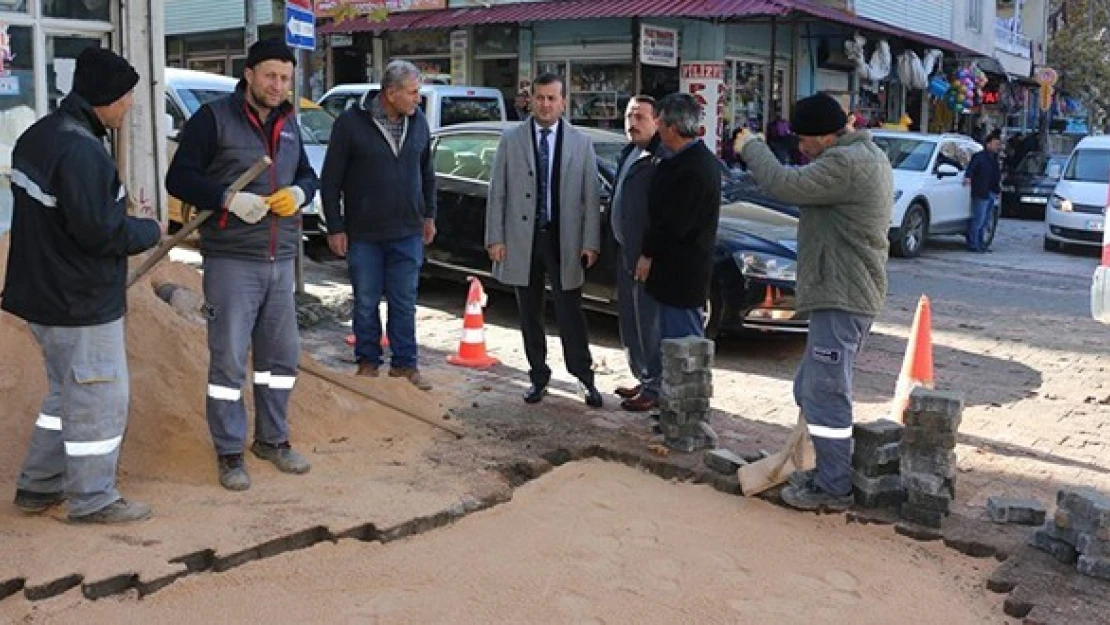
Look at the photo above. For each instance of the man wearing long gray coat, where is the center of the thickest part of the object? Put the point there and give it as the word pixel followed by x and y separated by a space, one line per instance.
pixel 543 218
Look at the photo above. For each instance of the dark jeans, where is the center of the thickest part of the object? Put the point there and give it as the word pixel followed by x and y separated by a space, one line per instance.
pixel 392 268
pixel 980 216
pixel 677 323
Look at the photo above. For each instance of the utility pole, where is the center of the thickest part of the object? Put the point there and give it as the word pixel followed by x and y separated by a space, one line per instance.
pixel 250 27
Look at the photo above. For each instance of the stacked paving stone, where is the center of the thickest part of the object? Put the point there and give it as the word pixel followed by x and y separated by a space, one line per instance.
pixel 876 458
pixel 928 457
pixel 1079 533
pixel 685 394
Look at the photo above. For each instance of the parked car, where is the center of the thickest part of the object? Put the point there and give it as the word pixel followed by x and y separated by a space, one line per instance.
pixel 188 90
pixel 1027 189
pixel 754 259
pixel 929 195
pixel 1076 212
pixel 443 105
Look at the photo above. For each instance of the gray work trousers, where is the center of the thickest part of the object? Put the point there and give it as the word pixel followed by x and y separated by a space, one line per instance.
pixel 75 444
pixel 250 306
pixel 640 329
pixel 823 390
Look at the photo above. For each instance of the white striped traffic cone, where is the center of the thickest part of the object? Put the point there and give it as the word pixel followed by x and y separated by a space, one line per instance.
pixel 472 347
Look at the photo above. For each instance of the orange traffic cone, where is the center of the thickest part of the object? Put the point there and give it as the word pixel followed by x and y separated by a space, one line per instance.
pixel 917 366
pixel 472 347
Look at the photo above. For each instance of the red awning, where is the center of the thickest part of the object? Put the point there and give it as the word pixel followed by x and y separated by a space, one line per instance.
pixel 555 10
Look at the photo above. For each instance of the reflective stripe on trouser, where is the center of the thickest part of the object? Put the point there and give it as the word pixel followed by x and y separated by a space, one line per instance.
pixel 250 307
pixel 639 327
pixel 78 431
pixel 823 390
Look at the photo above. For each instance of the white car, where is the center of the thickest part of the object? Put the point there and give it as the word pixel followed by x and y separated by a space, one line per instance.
pixel 929 193
pixel 443 105
pixel 1075 215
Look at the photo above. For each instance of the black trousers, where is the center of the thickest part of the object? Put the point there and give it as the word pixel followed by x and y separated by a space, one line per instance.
pixel 569 315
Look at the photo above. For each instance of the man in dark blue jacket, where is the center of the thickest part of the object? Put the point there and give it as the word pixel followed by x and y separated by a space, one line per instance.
pixel 984 176
pixel 379 169
pixel 250 248
pixel 66 276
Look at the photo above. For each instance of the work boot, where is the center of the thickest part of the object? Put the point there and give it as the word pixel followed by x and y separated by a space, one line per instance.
pixel 799 478
pixel 810 497
pixel 412 375
pixel 233 472
pixel 367 370
pixel 283 457
pixel 30 502
pixel 119 511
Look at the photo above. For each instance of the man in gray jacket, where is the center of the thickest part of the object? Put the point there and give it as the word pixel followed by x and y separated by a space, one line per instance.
pixel 845 198
pixel 639 314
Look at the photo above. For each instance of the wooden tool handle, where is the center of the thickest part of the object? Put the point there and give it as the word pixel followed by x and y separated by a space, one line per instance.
pixel 168 244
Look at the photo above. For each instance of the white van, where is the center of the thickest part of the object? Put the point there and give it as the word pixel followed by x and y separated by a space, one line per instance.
pixel 187 90
pixel 1075 214
pixel 443 105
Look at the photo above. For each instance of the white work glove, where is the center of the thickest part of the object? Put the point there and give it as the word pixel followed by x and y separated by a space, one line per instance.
pixel 248 206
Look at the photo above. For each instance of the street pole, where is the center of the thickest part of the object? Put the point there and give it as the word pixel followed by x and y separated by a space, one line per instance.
pixel 297 75
pixel 250 25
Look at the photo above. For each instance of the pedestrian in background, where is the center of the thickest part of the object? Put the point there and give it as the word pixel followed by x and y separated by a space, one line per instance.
pixel 67 277
pixel 639 314
pixel 379 169
pixel 519 111
pixel 984 177
pixel 250 249
pixel 844 196
pixel 543 222
pixel 676 260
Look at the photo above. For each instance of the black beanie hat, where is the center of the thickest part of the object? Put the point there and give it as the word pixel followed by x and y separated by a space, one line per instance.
pixel 818 115
pixel 102 76
pixel 269 49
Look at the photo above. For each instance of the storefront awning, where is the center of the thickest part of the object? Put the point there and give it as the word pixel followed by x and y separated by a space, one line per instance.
pixel 555 10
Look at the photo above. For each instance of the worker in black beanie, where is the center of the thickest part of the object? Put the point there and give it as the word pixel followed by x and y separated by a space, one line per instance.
pixel 66 277
pixel 845 195
pixel 250 247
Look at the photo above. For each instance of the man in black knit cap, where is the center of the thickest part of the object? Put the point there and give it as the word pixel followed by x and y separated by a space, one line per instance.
pixel 249 247
pixel 66 276
pixel 845 198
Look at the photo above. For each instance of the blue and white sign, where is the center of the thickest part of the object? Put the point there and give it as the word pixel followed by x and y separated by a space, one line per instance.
pixel 300 26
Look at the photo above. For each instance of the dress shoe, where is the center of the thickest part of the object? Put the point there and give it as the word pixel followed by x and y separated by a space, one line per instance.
pixel 640 404
pixel 592 396
pixel 628 392
pixel 535 394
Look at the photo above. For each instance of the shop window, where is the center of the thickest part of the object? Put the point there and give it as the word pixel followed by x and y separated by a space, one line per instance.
pixel 467 156
pixel 745 98
pixel 419 42
pixel 17 104
pixel 61 61
pixel 77 9
pixel 13 6
pixel 597 93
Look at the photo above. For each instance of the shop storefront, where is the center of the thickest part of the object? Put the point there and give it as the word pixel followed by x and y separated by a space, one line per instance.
pixel 496 58
pixel 594 58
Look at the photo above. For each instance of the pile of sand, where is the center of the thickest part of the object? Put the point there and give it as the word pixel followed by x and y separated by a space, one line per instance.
pixel 167 437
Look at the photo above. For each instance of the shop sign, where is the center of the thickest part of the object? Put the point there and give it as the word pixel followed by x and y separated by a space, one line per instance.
pixel 459 44
pixel 705 81
pixel 339 40
pixel 658 46
pixel 327 7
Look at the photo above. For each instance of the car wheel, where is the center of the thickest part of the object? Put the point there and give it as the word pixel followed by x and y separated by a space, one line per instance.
pixel 714 312
pixel 992 229
pixel 910 237
pixel 1051 245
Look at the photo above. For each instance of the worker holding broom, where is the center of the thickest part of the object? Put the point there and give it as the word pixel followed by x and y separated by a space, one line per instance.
pixel 845 199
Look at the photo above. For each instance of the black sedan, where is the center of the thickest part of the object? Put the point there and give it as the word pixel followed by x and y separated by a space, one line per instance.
pixel 754 260
pixel 1027 189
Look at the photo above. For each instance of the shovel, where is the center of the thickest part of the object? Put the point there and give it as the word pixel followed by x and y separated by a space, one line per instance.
pixel 776 468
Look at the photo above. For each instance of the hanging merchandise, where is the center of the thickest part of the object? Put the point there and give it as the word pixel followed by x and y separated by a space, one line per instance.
pixel 875 70
pixel 914 73
pixel 938 86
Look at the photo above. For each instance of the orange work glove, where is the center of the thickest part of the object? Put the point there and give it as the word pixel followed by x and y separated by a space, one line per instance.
pixel 285 203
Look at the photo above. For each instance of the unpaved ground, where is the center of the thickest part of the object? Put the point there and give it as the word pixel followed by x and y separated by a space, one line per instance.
pixel 1010 332
pixel 593 543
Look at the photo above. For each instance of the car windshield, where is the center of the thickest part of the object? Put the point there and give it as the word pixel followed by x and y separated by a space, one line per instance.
pixel 316 125
pixel 906 153
pixel 193 99
pixel 1088 165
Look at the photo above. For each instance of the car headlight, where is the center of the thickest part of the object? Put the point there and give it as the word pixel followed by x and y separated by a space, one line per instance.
pixel 1061 204
pixel 767 266
pixel 897 195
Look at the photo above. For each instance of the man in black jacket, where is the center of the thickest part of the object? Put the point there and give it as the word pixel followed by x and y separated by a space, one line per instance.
pixel 984 176
pixel 379 166
pixel 66 276
pixel 639 314
pixel 250 248
pixel 677 258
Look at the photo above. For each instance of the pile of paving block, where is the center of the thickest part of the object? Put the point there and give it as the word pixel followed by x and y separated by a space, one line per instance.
pixel 1079 532
pixel 928 456
pixel 686 390
pixel 876 462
